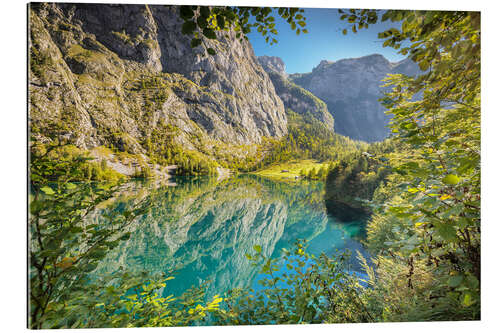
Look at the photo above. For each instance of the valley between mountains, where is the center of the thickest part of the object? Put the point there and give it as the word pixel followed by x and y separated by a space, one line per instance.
pixel 123 84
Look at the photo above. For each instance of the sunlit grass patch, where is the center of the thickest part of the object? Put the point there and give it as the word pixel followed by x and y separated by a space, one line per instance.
pixel 291 169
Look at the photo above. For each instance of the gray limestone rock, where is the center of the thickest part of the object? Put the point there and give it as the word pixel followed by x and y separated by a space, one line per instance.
pixel 102 73
pixel 351 89
pixel 293 96
pixel 273 64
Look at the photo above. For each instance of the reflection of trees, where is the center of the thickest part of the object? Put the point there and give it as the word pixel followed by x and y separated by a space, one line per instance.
pixel 203 229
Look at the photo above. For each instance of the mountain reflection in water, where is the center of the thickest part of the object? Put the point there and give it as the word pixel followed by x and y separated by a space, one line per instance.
pixel 202 228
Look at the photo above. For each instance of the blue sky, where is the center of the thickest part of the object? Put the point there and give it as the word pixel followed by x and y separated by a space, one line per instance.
pixel 324 41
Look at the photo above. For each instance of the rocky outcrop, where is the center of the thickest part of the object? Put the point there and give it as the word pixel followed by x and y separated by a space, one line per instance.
pixel 351 89
pixel 293 96
pixel 121 75
pixel 273 64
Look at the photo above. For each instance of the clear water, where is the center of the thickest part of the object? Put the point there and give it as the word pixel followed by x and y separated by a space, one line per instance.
pixel 202 228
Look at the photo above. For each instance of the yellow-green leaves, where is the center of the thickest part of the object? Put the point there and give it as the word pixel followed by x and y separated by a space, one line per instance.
pixel 436 123
pixel 214 304
pixel 451 179
pixel 206 21
pixel 47 190
pixel 302 291
pixel 445 197
pixel 468 299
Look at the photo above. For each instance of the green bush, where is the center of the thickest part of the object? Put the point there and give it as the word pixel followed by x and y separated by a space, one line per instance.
pixel 64 250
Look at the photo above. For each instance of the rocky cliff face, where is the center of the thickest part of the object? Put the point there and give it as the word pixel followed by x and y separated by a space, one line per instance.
pixel 294 97
pixel 122 74
pixel 273 64
pixel 351 89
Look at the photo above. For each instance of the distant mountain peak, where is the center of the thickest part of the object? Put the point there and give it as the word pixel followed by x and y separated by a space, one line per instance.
pixel 323 64
pixel 373 56
pixel 272 64
pixel 294 97
pixel 371 59
pixel 351 88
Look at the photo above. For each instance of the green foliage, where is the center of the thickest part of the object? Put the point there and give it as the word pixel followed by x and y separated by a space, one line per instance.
pixel 143 171
pixel 194 163
pixel 435 213
pixel 59 159
pixel 306 289
pixel 162 149
pixel 384 230
pixel 141 305
pixel 66 245
pixel 317 173
pixel 353 180
pixel 293 170
pixel 204 22
pixel 302 289
pixel 63 245
pixel 308 138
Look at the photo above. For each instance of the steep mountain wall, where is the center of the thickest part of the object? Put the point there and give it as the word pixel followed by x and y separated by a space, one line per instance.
pixel 294 97
pixel 273 64
pixel 351 89
pixel 124 75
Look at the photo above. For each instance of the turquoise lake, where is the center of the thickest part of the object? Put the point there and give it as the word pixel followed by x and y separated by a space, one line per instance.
pixel 202 227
